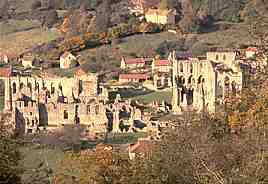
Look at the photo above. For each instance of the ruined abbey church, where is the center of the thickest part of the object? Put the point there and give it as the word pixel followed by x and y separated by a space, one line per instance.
pixel 201 83
pixel 46 101
pixel 50 101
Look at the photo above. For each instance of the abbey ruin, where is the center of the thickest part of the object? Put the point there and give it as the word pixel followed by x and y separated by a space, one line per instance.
pixel 200 83
pixel 44 101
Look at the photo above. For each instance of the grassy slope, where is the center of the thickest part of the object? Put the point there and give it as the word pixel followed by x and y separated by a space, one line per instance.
pixel 18 42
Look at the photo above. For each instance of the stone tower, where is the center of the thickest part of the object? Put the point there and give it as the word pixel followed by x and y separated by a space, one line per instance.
pixel 175 97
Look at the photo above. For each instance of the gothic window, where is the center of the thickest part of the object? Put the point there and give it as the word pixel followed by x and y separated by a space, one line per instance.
pixel 190 80
pixel 80 86
pixel 65 114
pixel 217 57
pixel 88 109
pixel 60 87
pixel 191 68
pixel 224 57
pixel 201 80
pixel 97 109
pixel 14 88
pixel 181 67
pixel 37 86
pixel 52 89
pixel 29 85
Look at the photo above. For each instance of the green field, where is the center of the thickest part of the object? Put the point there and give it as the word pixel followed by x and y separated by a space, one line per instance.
pixel 18 42
pixel 12 26
pixel 158 96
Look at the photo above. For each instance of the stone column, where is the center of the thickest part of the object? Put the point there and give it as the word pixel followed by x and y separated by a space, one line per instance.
pixel 116 121
pixel 8 95
pixel 162 81
pixel 184 102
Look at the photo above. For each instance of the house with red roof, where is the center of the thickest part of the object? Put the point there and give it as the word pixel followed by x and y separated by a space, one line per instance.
pixel 161 66
pixel 6 71
pixel 132 63
pixel 251 52
pixel 68 60
pixel 133 77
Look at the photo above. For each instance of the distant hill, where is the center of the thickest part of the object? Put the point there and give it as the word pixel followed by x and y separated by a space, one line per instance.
pixel 226 10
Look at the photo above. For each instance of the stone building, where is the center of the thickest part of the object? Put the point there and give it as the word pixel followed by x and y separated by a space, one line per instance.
pixel 68 60
pixel 132 63
pixel 202 83
pixel 45 101
pixel 28 61
pixel 251 52
pixel 161 65
pixel 159 16
pixel 134 77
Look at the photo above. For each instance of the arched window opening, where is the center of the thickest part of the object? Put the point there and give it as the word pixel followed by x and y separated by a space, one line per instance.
pixel 37 86
pixel 29 85
pixel 191 68
pixel 52 89
pixel 199 79
pixel 224 57
pixel 217 57
pixel 88 109
pixel 181 67
pixel 60 87
pixel 190 80
pixel 80 88
pixel 65 114
pixel 14 88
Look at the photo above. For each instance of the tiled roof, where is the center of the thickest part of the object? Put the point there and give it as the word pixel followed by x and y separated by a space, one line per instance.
pixel 134 76
pixel 5 72
pixel 162 62
pixel 253 49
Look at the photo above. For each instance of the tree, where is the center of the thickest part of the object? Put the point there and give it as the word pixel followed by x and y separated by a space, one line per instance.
pixel 164 4
pixel 10 169
pixel 103 16
pixel 4 6
pixel 36 4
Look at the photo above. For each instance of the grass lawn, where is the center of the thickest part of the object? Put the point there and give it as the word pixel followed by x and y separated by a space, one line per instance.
pixel 158 96
pixel 142 43
pixel 13 26
pixel 18 42
pixel 34 156
pixel 2 102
